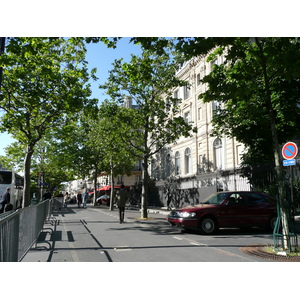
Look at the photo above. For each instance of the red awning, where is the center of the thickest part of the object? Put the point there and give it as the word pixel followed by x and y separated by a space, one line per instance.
pixel 105 188
pixel 108 188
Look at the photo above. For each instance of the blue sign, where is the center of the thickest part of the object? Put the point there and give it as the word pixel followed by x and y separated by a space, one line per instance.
pixel 289 150
pixel 289 162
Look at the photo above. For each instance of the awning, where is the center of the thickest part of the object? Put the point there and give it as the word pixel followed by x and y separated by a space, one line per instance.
pixel 108 188
pixel 105 188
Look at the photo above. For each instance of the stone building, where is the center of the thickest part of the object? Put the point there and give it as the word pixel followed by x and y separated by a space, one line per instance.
pixel 193 168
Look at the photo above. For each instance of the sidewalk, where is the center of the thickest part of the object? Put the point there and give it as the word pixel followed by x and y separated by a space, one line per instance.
pixel 66 238
pixel 66 231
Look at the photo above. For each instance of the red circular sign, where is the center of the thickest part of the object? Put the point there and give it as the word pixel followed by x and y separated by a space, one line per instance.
pixel 289 150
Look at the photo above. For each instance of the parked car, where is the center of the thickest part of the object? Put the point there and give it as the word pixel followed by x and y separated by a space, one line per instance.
pixel 104 199
pixel 227 209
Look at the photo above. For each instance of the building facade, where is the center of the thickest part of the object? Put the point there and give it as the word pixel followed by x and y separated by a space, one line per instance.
pixel 197 166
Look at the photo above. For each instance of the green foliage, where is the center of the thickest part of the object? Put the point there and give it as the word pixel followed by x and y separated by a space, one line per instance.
pixel 14 157
pixel 44 87
pixel 38 74
pixel 254 71
pixel 110 135
pixel 149 80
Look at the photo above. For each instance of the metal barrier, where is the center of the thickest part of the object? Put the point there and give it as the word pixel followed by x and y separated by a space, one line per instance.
pixel 19 230
pixel 58 203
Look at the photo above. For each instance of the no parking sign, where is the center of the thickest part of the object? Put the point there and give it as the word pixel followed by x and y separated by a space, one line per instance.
pixel 289 150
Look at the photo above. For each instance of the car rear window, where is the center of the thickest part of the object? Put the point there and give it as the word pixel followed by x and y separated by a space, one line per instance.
pixel 254 198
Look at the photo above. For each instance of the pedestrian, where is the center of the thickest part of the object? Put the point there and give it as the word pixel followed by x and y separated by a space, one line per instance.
pixel 122 198
pixel 66 199
pixel 85 198
pixel 4 200
pixel 47 195
pixel 79 199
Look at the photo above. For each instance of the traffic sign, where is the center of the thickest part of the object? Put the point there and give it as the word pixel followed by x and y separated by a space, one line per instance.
pixel 289 150
pixel 289 162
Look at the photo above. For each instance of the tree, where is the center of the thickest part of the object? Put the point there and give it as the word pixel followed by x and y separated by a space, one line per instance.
pixel 257 87
pixel 106 137
pixel 149 80
pixel 14 157
pixel 44 86
pixel 258 79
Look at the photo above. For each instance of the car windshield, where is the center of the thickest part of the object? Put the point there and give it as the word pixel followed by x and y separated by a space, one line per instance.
pixel 215 199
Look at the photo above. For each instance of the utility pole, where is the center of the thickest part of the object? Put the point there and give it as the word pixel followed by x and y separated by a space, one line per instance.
pixel 2 47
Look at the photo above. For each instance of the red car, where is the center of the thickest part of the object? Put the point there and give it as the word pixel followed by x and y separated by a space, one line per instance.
pixel 227 209
pixel 104 199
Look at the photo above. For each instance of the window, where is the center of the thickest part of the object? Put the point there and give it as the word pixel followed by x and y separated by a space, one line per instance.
pixel 187 117
pixel 177 163
pixel 253 198
pixel 186 92
pixel 120 179
pixel 236 199
pixel 188 161
pixel 215 106
pixel 6 177
pixel 168 165
pixel 238 155
pixel 153 168
pixel 200 113
pixel 198 79
pixel 218 153
pixel 138 178
pixel 212 64
pixel 201 163
pixel 176 94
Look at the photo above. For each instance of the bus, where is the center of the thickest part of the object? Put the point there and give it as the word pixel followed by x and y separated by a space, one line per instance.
pixel 16 184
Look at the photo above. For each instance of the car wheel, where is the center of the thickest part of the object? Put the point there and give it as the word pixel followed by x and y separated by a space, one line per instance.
pixel 208 225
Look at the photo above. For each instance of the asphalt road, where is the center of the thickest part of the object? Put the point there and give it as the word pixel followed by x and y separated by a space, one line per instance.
pixel 95 235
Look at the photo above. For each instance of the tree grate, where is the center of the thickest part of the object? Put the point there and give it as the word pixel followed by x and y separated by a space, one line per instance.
pixel 258 251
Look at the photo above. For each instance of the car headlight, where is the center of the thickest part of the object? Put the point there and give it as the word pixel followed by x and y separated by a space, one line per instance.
pixel 186 214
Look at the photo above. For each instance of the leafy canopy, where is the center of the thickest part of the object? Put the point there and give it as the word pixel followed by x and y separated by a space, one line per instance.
pixel 255 70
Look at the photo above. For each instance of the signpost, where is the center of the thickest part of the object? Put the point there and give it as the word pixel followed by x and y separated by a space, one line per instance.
pixel 289 152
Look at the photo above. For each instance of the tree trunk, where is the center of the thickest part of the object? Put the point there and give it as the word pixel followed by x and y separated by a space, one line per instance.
pixel 112 192
pixel 282 201
pixel 27 165
pixel 112 187
pixel 144 198
pixel 279 171
pixel 276 147
pixel 95 186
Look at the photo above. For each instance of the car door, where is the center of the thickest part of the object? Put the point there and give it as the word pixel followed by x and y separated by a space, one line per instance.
pixel 232 211
pixel 259 208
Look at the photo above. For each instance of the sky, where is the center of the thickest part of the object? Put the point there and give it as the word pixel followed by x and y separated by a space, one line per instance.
pixel 100 57
pixel 129 18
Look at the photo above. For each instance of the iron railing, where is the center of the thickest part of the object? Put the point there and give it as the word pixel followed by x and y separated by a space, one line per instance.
pixel 20 229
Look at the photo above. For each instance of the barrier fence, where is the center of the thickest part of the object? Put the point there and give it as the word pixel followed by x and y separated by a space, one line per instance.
pixel 20 229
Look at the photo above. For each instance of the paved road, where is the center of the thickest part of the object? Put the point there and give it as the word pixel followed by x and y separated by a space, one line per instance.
pixel 95 235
